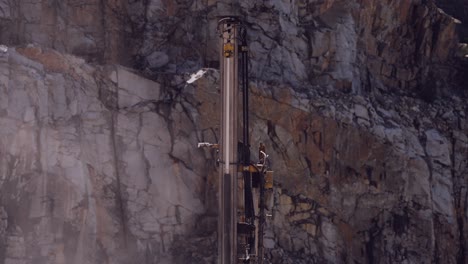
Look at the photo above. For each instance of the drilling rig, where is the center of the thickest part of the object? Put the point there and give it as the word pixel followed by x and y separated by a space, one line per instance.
pixel 243 184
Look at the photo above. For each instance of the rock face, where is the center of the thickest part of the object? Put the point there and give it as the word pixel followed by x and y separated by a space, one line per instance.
pixel 95 168
pixel 356 102
pixel 355 46
pixel 88 28
pixel 352 45
pixel 458 9
pixel 360 183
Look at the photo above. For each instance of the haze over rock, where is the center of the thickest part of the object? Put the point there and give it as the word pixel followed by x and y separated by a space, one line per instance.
pixel 360 104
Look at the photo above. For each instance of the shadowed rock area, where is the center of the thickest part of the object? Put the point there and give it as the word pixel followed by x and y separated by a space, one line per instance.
pixel 361 105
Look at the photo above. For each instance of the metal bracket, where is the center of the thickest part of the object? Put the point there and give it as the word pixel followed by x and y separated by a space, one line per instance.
pixel 207 145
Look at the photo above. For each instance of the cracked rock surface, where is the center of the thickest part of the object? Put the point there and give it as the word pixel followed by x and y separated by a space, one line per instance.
pixel 91 173
pixel 358 103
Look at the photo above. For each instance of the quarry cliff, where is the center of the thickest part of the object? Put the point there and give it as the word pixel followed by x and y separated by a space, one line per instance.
pixel 361 105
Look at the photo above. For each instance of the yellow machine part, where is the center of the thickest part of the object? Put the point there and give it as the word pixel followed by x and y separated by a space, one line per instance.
pixel 268 175
pixel 228 49
pixel 249 168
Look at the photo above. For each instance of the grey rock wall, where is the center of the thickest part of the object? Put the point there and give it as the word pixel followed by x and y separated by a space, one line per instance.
pixel 459 10
pixel 353 99
pixel 361 187
pixel 89 28
pixel 95 168
pixel 356 46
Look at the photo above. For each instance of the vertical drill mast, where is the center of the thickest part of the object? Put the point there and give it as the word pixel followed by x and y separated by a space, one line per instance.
pixel 243 185
pixel 227 224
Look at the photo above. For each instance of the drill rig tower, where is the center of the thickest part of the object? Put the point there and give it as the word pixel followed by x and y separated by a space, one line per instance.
pixel 243 184
pixel 228 155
